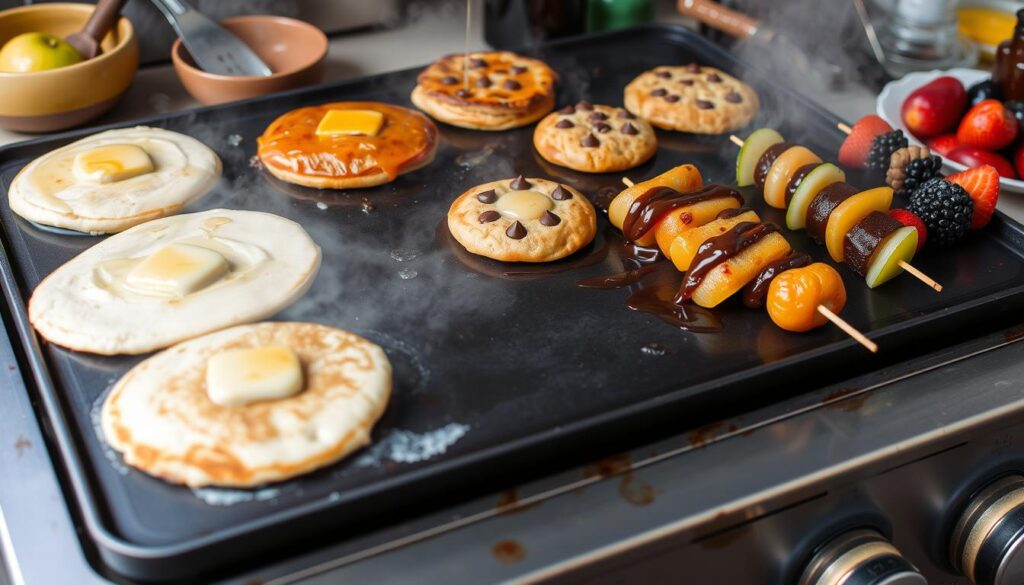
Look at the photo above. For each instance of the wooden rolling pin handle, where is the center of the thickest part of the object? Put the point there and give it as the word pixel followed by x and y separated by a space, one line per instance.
pixel 716 16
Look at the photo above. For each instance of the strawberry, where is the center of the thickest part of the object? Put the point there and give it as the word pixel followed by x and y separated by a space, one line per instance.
pixel 943 144
pixel 907 217
pixel 854 151
pixel 975 157
pixel 982 184
pixel 988 125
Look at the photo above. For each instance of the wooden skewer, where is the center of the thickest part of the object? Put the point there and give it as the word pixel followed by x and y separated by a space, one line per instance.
pixel 848 329
pixel 627 182
pixel 903 264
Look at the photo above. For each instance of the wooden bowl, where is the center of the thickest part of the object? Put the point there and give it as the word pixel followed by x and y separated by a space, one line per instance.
pixel 294 50
pixel 55 99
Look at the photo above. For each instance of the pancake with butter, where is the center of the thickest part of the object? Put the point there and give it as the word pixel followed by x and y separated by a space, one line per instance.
pixel 111 181
pixel 175 278
pixel 347 145
pixel 249 405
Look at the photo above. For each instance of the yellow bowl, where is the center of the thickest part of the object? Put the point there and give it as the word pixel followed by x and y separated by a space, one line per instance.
pixel 55 99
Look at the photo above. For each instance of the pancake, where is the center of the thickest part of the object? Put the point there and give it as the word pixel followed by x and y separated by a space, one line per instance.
pixel 160 417
pixel 291 150
pixel 114 299
pixel 50 191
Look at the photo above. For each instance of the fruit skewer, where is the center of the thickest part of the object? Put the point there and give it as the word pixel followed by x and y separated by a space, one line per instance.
pixel 734 251
pixel 852 223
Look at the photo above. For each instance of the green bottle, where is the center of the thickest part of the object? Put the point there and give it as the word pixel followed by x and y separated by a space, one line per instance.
pixel 612 14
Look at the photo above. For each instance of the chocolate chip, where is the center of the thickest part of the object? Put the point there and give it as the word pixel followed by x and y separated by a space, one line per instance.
pixel 589 141
pixel 687 82
pixel 659 92
pixel 629 129
pixel 501 71
pixel 512 85
pixel 477 63
pixel 516 231
pixel 705 105
pixel 449 80
pixel 488 196
pixel 463 93
pixel 693 68
pixel 564 124
pixel 585 106
pixel 519 184
pixel 561 194
pixel 602 127
pixel 626 114
pixel 671 98
pixel 483 82
pixel 733 98
pixel 598 117
pixel 567 110
pixel 489 216
pixel 518 69
pixel 550 219
pixel 714 78
pixel 663 74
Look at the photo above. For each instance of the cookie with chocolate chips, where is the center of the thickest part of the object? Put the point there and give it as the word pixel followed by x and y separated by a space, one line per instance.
pixel 602 139
pixel 498 90
pixel 522 220
pixel 692 98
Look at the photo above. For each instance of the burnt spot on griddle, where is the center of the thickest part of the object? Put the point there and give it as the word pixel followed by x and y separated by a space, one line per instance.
pixel 845 399
pixel 508 551
pixel 608 466
pixel 631 489
pixel 509 503
pixel 701 436
pixel 636 491
pixel 1013 334
pixel 367 206
pixel 21 445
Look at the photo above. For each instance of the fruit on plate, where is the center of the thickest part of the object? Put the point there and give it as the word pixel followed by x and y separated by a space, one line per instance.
pixel 35 51
pixel 943 144
pixel 988 125
pixel 935 107
pixel 854 151
pixel 981 91
pixel 794 296
pixel 882 148
pixel 850 212
pixel 679 221
pixel 1018 160
pixel 982 184
pixel 822 176
pixel 782 171
pixel 976 157
pixel 909 218
pixel 910 167
pixel 682 178
pixel 945 208
pixel 1017 109
pixel 750 153
pixel 684 247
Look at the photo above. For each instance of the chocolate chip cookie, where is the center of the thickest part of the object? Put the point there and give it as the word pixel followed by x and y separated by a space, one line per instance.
pixel 692 98
pixel 522 220
pixel 595 138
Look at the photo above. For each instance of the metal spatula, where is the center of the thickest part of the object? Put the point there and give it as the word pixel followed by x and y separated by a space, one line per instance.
pixel 214 49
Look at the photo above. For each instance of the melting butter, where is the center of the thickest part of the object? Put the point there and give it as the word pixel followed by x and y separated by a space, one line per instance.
pixel 236 377
pixel 523 204
pixel 178 270
pixel 111 163
pixel 350 123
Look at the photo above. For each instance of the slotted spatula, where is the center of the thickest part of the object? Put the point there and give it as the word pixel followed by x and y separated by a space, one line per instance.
pixel 214 49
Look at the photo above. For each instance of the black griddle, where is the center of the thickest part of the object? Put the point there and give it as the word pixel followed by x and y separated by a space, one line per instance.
pixel 540 370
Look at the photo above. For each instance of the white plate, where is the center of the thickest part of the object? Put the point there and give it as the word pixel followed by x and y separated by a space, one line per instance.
pixel 890 102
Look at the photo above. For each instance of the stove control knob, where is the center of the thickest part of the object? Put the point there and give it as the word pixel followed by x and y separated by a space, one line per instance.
pixel 860 557
pixel 988 540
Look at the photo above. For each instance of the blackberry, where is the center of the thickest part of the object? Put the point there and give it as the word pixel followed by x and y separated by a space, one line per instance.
pixel 945 208
pixel 882 148
pixel 918 172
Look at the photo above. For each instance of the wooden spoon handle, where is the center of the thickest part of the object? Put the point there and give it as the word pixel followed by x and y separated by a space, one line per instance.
pixel 103 18
pixel 716 16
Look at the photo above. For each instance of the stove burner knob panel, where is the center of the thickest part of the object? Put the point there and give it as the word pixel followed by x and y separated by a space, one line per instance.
pixel 988 541
pixel 860 557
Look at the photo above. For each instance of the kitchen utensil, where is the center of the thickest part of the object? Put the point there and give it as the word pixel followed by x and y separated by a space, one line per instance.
pixel 920 35
pixel 214 49
pixel 104 16
pixel 55 99
pixel 500 370
pixel 294 50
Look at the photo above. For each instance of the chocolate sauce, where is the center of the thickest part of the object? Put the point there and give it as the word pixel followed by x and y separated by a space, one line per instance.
pixel 732 212
pixel 620 279
pixel 796 179
pixel 658 300
pixel 650 207
pixel 718 249
pixel 823 204
pixel 863 239
pixel 756 290
pixel 764 164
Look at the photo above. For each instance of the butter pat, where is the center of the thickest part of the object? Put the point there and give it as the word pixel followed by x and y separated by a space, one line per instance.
pixel 177 270
pixel 350 123
pixel 523 204
pixel 236 377
pixel 112 163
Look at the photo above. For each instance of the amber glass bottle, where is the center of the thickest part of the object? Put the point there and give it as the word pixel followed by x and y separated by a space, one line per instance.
pixel 1009 70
